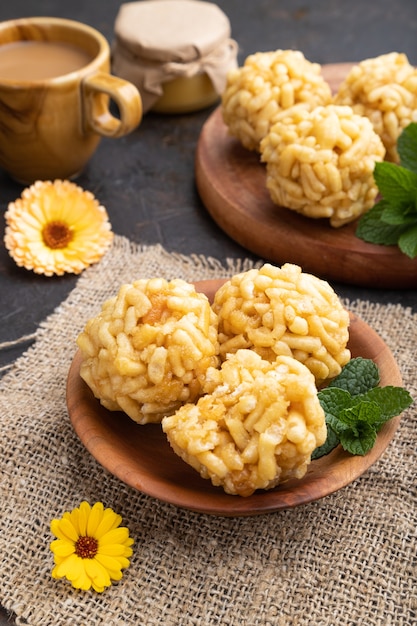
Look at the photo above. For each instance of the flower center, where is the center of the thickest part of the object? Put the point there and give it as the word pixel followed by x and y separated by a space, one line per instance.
pixel 86 547
pixel 56 235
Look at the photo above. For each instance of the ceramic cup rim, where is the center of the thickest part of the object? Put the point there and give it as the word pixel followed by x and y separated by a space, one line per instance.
pixel 97 60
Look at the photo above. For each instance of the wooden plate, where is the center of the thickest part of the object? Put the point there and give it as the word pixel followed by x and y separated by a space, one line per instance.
pixel 141 456
pixel 231 182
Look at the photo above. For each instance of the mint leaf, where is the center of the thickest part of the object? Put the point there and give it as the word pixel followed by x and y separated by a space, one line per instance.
pixel 359 442
pixel 406 146
pixel 373 229
pixel 357 376
pixel 407 242
pixel 392 401
pixel 399 215
pixel 397 184
pixel 363 412
pixel 393 220
pixel 359 446
pixel 331 442
pixel 334 400
pixel 356 408
pixel 357 432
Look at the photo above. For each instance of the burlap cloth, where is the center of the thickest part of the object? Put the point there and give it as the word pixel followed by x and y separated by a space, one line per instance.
pixel 348 559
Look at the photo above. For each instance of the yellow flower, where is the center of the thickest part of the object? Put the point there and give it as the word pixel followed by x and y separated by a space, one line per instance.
pixel 91 547
pixel 56 227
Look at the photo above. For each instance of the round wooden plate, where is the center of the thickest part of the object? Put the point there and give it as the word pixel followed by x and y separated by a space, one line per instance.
pixel 231 182
pixel 141 456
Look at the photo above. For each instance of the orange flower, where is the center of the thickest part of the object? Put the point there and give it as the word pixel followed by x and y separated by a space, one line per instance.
pixel 56 227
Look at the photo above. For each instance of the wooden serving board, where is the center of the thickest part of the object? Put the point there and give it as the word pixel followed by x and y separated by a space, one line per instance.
pixel 231 182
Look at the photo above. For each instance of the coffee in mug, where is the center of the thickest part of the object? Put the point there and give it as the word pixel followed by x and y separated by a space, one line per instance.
pixel 40 60
pixel 55 90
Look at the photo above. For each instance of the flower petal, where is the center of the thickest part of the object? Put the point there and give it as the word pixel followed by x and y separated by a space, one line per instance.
pixel 114 549
pixel 115 574
pixel 70 567
pixel 94 519
pixel 82 582
pixel 111 562
pixel 97 573
pixel 55 527
pixel 64 529
pixel 110 521
pixel 62 547
pixel 116 535
pixel 84 513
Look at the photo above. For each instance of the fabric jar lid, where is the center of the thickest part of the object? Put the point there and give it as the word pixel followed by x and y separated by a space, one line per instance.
pixel 171 30
pixel 157 41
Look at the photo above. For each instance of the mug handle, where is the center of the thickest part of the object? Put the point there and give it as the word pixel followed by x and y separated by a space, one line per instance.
pixel 97 117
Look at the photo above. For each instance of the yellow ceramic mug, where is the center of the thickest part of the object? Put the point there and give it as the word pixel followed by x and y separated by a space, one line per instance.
pixel 55 90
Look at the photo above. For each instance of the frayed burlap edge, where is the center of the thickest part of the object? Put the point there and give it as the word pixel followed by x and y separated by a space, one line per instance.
pixel 347 559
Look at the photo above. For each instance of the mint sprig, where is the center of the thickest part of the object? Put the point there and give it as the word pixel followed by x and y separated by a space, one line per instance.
pixel 393 220
pixel 356 408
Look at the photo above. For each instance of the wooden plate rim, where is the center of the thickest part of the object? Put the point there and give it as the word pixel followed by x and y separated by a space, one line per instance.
pixel 109 438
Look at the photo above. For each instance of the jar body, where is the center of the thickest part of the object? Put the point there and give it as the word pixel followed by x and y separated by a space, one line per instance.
pixel 186 95
pixel 176 52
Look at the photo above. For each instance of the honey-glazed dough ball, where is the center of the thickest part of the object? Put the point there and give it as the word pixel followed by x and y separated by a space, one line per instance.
pixel 256 426
pixel 267 83
pixel 320 163
pixel 384 89
pixel 147 351
pixel 284 311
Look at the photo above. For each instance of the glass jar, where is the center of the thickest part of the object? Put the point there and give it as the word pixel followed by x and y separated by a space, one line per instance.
pixel 176 52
